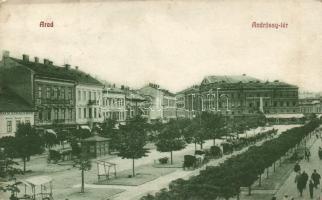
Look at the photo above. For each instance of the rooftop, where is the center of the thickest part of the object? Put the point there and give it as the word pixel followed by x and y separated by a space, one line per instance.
pixel 55 71
pixel 9 102
pixel 229 79
pixel 238 82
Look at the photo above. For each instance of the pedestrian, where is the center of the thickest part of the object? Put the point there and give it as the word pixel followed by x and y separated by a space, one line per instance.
pixel 301 182
pixel 297 167
pixel 316 178
pixel 311 187
pixel 307 154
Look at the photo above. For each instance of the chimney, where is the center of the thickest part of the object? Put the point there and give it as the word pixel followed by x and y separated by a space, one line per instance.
pixel 5 54
pixel 36 60
pixel 46 61
pixel 25 57
pixel 67 66
pixel 76 67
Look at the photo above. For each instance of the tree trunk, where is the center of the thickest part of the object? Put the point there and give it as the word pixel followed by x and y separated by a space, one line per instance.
pixel 214 141
pixel 267 172
pixel 201 145
pixel 133 172
pixel 171 157
pixel 260 180
pixel 274 167
pixel 24 164
pixel 250 190
pixel 82 188
pixel 238 196
pixel 195 146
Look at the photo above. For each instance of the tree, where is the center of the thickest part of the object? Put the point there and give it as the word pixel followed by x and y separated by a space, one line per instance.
pixel 213 124
pixel 133 138
pixel 50 139
pixel 109 131
pixel 27 143
pixel 170 139
pixel 83 163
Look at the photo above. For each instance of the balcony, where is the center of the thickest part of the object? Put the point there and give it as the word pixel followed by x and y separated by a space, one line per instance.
pixel 93 102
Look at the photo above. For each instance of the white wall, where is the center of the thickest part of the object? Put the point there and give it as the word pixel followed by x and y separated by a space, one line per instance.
pixel 14 117
pixel 82 103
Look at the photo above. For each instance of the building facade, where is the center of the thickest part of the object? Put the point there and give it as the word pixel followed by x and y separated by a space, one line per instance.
pixel 51 90
pixel 89 99
pixel 162 103
pixel 113 106
pixel 310 106
pixel 13 111
pixel 241 95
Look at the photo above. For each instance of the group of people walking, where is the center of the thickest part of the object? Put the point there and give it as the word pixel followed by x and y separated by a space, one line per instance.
pixel 302 178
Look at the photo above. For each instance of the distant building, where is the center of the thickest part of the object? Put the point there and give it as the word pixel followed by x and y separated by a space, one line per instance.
pixel 113 106
pixel 136 104
pixel 241 95
pixel 89 93
pixel 163 102
pixel 310 106
pixel 13 111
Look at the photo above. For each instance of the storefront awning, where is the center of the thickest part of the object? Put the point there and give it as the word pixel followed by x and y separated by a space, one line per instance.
pixel 85 127
pixel 38 180
pixel 51 131
pixel 284 116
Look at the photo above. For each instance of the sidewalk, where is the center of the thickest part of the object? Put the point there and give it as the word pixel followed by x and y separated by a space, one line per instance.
pixel 289 186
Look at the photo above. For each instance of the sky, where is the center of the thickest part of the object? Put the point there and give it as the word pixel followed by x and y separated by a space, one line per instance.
pixel 172 43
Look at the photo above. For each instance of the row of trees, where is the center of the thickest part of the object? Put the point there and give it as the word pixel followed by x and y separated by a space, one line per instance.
pixel 239 171
pixel 129 140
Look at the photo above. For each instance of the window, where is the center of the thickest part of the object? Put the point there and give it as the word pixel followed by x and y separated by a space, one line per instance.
pixel 27 120
pixel 9 126
pixel 79 112
pixel 48 92
pixel 90 112
pixel 79 95
pixel 85 113
pixel 40 115
pixel 84 95
pixel 69 94
pixel 89 95
pixel 94 95
pixel 95 110
pixel 17 123
pixel 62 93
pixel 55 93
pixel 39 92
pixel 49 114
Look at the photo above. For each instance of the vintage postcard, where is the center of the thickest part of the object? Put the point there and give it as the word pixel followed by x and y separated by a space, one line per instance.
pixel 160 99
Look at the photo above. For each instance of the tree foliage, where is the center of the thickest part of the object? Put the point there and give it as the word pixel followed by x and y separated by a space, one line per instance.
pixel 238 171
pixel 133 138
pixel 171 138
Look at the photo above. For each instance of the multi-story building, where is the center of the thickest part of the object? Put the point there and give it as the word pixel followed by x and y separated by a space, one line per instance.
pixel 136 104
pixel 187 102
pixel 113 106
pixel 310 106
pixel 242 95
pixel 163 102
pixel 50 89
pixel 13 111
pixel 89 95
